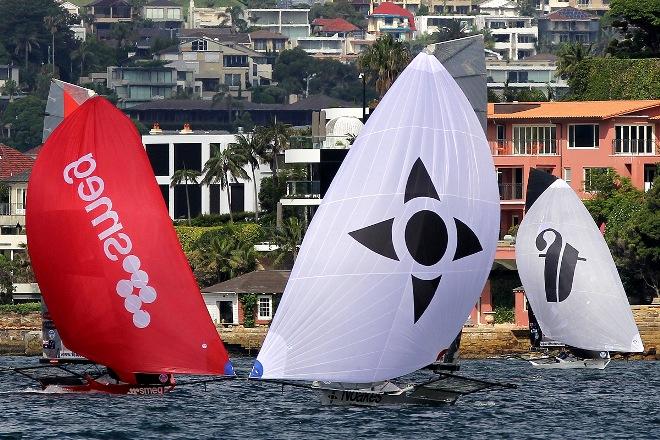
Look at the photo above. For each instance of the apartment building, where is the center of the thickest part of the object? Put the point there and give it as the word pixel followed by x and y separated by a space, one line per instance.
pixel 573 141
pixel 164 14
pixel 391 19
pixel 105 13
pixel 134 85
pixel 568 25
pixel 515 37
pixel 293 23
pixel 536 72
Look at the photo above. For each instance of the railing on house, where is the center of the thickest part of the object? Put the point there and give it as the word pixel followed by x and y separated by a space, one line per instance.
pixel 303 189
pixel 634 146
pixel 313 142
pixel 12 209
pixel 511 191
pixel 522 147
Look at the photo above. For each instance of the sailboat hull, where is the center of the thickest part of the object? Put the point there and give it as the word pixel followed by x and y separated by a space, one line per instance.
pixel 554 362
pixel 89 385
pixel 367 397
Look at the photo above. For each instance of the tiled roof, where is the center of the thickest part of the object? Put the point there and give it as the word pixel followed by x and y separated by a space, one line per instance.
pixel 541 57
pixel 569 13
pixel 259 281
pixel 263 34
pixel 396 10
pixel 13 162
pixel 21 177
pixel 335 25
pixel 564 110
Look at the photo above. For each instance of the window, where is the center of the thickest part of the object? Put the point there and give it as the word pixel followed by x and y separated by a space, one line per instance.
pixel 265 307
pixel 534 139
pixel 590 176
pixel 199 45
pixel 21 197
pixel 154 13
pixel 583 136
pixel 389 21
pixel 233 79
pixel 563 38
pixel 181 76
pixel 517 77
pixel 235 61
pixel 633 139
pixel 568 174
pixel 260 45
pixel 525 38
pixel 174 14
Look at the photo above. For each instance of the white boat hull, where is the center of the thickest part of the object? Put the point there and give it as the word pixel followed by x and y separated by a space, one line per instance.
pixel 566 364
pixel 366 397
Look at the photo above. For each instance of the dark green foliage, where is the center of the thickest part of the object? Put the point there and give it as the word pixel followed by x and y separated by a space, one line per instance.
pixel 269 95
pixel 26 117
pixel 6 280
pixel 21 309
pixel 27 39
pixel 504 315
pixel 5 57
pixel 249 303
pixel 502 283
pixel 522 95
pixel 207 220
pixel 601 79
pixel 638 21
pixel 269 195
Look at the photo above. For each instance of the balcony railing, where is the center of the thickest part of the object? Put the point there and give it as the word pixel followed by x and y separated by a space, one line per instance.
pixel 633 146
pixel 313 142
pixel 511 191
pixel 521 147
pixel 12 209
pixel 303 189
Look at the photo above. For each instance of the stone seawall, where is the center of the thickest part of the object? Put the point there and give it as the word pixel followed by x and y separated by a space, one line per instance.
pixel 21 334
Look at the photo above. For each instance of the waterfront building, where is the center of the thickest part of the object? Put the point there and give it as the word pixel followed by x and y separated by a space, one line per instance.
pixel 568 25
pixel 515 36
pixel 499 8
pixel 538 72
pixel 269 43
pixel 430 24
pixel 9 72
pixel 217 64
pixel 391 19
pixel 105 13
pixel 169 151
pixel 223 300
pixel 164 14
pixel 134 85
pixel 293 23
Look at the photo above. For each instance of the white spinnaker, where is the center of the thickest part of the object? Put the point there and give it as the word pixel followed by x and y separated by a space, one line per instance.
pixel 347 312
pixel 596 314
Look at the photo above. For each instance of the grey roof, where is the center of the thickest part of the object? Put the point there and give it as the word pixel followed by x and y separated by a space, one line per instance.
pixel 23 176
pixel 314 102
pixel 259 281
pixel 541 57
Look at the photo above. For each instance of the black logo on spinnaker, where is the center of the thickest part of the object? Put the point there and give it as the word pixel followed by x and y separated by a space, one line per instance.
pixel 426 237
pixel 557 286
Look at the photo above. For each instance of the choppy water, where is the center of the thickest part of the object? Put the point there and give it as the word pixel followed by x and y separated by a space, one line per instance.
pixel 622 401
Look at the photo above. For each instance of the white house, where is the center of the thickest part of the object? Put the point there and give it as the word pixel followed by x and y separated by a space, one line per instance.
pixel 169 151
pixel 294 23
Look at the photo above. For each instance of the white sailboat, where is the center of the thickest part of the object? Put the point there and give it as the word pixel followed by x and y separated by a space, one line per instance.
pixel 570 279
pixel 396 255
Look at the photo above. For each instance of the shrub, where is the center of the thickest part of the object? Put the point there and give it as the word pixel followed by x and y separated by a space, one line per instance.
pixel 504 315
pixel 21 309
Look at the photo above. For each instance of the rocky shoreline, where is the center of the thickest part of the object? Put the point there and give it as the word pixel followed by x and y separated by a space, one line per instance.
pixel 21 335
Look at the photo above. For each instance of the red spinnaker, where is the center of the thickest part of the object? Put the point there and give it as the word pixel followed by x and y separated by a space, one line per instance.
pixel 105 254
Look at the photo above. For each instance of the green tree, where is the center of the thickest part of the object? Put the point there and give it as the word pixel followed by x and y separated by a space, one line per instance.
pixel 185 176
pixel 287 239
pixel 638 21
pixel 252 147
pixel 5 57
pixel 570 56
pixel 10 89
pixel 52 23
pixel 27 121
pixel 83 54
pixel 6 280
pixel 223 167
pixel 526 8
pixel 423 10
pixel 25 43
pixel 337 9
pixel 271 191
pixel 384 61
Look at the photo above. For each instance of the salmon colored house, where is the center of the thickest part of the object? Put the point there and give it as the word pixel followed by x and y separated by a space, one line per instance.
pixel 570 140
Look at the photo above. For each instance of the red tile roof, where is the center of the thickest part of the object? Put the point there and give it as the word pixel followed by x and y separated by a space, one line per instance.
pixel 396 10
pixel 568 109
pixel 570 13
pixel 335 25
pixel 13 162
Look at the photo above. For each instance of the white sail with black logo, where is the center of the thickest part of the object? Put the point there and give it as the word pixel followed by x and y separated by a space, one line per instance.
pixel 568 273
pixel 401 246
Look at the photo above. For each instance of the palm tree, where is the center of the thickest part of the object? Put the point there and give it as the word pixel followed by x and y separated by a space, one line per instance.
pixel 570 55
pixel 184 175
pixel 277 135
pixel 83 52
pixel 52 22
pixel 223 167
pixel 243 260
pixel 26 42
pixel 287 239
pixel 10 88
pixel 384 61
pixel 252 147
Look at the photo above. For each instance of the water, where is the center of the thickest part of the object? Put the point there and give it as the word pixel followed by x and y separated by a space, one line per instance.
pixel 620 402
